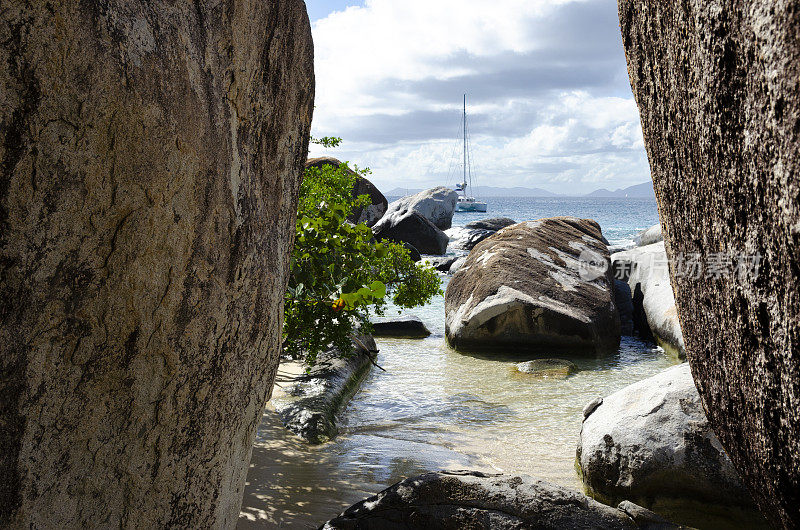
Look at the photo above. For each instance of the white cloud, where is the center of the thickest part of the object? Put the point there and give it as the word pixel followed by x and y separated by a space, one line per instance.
pixel 550 103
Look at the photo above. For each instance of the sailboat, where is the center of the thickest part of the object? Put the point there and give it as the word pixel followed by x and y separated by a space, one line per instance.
pixel 467 203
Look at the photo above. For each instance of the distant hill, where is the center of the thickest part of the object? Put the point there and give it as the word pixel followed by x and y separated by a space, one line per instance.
pixel 643 190
pixel 484 191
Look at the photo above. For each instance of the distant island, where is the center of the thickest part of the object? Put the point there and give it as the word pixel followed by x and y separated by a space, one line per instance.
pixel 643 190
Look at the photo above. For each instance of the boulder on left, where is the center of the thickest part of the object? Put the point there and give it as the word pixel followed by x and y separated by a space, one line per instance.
pixel 150 162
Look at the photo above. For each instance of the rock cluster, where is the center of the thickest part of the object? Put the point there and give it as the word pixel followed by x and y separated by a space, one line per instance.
pixel 534 286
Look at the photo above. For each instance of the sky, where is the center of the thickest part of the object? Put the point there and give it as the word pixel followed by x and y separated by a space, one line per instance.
pixel 548 99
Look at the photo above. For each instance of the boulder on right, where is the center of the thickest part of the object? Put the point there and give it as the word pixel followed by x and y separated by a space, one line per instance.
pixel 651 443
pixel 537 286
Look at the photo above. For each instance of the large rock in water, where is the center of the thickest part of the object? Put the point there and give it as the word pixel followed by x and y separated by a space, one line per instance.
pixel 646 270
pixel 651 443
pixel 717 88
pixel 369 214
pixel 437 205
pixel 479 501
pixel 413 229
pixel 535 286
pixel 150 161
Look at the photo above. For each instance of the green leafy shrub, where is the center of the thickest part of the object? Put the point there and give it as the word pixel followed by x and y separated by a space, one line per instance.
pixel 339 274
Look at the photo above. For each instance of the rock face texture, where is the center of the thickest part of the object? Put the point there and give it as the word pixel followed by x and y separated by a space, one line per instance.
pixel 646 270
pixel 414 229
pixel 469 499
pixel 436 205
pixel 718 87
pixel 368 215
pixel 535 286
pixel 150 159
pixel 309 405
pixel 651 443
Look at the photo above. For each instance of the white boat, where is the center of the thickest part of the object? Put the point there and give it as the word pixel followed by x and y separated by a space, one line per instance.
pixel 467 203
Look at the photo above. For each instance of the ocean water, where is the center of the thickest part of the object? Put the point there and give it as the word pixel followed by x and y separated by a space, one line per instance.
pixel 434 408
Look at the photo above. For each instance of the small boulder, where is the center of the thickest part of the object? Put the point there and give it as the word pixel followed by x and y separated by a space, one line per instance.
pixel 404 326
pixel 535 286
pixel 369 214
pixel 443 263
pixel 436 205
pixel 466 238
pixel 649 236
pixel 548 368
pixel 479 501
pixel 412 228
pixel 493 223
pixel 652 444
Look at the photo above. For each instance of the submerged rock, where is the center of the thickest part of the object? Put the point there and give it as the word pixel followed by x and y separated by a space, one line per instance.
pixel 651 443
pixel 405 326
pixel 646 270
pixel 436 205
pixel 368 214
pixel 479 501
pixel 534 286
pixel 308 402
pixel 548 368
pixel 412 228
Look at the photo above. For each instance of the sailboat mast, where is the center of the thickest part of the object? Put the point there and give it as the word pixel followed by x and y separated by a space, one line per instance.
pixel 465 146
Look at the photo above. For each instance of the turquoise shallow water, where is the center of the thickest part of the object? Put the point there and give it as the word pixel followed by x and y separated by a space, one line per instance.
pixel 435 409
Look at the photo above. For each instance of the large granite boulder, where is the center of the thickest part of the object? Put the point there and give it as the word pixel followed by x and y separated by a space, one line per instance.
pixel 308 401
pixel 651 443
pixel 369 214
pixel 437 205
pixel 717 87
pixel 150 160
pixel 414 229
pixel 538 286
pixel 646 270
pixel 480 501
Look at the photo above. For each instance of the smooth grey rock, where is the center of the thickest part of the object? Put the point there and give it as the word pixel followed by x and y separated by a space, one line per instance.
pixel 309 407
pixel 552 368
pixel 592 406
pixel 436 205
pixel 405 326
pixel 478 501
pixel 457 264
pixel 646 271
pixel 414 229
pixel 443 264
pixel 492 223
pixel 369 214
pixel 651 443
pixel 649 236
pixel 535 286
pixel 462 238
